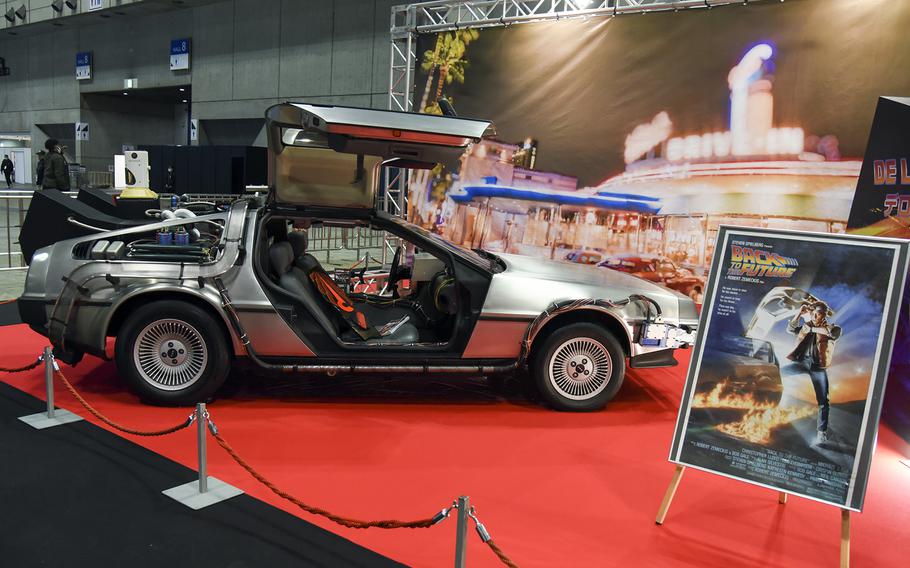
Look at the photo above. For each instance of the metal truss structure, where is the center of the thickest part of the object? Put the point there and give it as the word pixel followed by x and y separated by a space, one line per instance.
pixel 410 20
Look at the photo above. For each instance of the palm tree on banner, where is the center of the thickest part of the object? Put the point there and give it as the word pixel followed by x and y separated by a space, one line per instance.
pixel 430 63
pixel 447 56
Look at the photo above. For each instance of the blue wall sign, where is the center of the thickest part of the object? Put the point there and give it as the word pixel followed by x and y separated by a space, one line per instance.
pixel 83 65
pixel 180 54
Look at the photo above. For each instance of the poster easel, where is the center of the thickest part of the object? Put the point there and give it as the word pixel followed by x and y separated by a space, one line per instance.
pixel 781 498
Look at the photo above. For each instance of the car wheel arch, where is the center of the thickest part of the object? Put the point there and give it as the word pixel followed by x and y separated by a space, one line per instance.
pixel 602 318
pixel 129 304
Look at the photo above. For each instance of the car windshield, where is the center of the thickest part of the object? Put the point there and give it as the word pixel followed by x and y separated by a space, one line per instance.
pixel 618 263
pixel 479 258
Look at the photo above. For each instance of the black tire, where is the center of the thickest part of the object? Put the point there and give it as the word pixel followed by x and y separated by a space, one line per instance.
pixel 196 341
pixel 597 378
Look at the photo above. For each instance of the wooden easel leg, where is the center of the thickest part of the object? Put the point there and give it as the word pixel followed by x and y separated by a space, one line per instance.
pixel 782 498
pixel 844 538
pixel 668 496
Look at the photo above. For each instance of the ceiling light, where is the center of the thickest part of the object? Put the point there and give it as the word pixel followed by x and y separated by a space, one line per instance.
pixel 125 93
pixel 184 100
pixel 182 89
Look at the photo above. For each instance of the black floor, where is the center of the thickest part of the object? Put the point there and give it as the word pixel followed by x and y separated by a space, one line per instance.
pixel 77 495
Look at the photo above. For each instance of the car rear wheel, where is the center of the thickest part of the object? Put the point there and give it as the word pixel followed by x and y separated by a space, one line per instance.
pixel 172 352
pixel 579 368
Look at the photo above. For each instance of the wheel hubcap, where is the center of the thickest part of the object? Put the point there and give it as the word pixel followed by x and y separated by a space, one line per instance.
pixel 170 354
pixel 580 368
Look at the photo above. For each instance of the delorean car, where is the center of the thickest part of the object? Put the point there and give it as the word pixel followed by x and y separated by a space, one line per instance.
pixel 242 284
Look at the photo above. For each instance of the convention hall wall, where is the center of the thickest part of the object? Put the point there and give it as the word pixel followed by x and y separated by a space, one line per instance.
pixel 245 56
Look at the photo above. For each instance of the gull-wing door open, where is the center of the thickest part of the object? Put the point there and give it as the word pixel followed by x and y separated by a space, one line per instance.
pixel 331 156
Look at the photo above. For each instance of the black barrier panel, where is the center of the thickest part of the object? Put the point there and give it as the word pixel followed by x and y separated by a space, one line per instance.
pixel 47 221
pixel 207 169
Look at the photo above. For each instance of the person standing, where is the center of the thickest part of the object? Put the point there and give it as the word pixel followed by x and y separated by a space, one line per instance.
pixel 815 338
pixel 56 174
pixel 8 169
pixel 171 180
pixel 39 169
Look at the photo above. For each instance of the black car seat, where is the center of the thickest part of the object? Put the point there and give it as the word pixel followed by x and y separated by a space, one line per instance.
pixel 299 242
pixel 305 279
pixel 293 281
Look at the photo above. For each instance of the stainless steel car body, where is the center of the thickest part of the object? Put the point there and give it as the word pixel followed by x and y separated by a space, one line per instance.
pixel 517 296
pixel 82 300
pixel 530 286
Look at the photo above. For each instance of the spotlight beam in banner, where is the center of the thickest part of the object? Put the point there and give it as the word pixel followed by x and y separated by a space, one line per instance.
pixel 410 20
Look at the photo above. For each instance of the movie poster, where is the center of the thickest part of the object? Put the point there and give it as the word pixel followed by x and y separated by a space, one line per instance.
pixel 881 203
pixel 786 381
pixel 881 208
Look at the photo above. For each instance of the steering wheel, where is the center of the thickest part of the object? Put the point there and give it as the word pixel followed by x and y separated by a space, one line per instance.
pixel 393 272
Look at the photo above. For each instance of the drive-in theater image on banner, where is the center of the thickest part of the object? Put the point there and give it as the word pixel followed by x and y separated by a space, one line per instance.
pixel 473 283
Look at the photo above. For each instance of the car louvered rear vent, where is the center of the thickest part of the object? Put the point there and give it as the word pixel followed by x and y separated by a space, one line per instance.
pixel 82 250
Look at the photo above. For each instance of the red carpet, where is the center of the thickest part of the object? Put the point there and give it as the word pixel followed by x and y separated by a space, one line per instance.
pixel 553 489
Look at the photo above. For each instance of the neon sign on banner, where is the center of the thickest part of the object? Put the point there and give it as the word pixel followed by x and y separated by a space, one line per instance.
pixel 777 141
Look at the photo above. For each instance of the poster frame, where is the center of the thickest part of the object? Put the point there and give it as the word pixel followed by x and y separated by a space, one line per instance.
pixel 859 476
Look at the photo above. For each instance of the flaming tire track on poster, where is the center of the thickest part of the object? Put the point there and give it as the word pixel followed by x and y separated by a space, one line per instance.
pixel 761 418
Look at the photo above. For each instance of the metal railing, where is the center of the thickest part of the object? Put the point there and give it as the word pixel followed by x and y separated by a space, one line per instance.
pixel 13 206
pixel 343 246
pixel 100 179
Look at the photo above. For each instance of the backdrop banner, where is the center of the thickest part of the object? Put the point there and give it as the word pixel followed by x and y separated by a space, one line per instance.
pixel 787 377
pixel 626 142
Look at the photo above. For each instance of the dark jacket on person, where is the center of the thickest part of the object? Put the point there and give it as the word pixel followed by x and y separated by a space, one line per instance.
pixel 39 171
pixel 56 172
pixel 7 166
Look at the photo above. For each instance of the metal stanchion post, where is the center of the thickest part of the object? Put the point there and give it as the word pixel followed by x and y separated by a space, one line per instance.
pixel 200 433
pixel 461 532
pixel 49 380
pixel 53 416
pixel 205 490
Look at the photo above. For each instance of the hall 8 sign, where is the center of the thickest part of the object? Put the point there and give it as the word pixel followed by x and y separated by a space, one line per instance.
pixel 180 54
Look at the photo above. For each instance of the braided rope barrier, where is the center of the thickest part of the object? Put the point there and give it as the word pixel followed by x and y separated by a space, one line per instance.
pixel 185 424
pixel 343 521
pixel 501 555
pixel 28 367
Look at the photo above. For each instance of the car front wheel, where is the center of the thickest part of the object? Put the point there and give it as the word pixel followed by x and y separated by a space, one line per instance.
pixel 579 368
pixel 172 352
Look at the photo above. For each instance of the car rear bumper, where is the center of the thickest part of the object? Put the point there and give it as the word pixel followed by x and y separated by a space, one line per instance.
pixel 33 312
